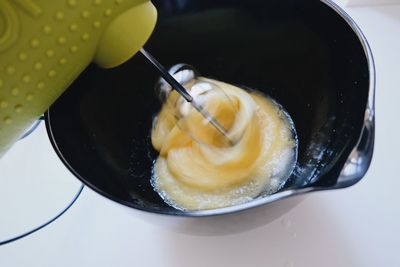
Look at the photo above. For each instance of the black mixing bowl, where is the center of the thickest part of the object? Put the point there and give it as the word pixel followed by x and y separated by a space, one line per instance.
pixel 308 55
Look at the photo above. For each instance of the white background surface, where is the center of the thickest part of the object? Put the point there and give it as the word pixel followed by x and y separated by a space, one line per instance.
pixel 354 227
pixel 369 2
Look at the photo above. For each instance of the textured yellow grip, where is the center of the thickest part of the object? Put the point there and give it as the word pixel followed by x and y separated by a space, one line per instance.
pixel 46 44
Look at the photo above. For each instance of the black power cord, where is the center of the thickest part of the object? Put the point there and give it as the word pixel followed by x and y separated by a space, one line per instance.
pixel 45 224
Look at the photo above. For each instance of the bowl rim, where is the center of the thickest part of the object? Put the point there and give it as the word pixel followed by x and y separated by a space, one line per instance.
pixel 360 157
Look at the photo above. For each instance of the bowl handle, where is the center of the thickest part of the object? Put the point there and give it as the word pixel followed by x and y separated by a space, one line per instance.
pixel 360 157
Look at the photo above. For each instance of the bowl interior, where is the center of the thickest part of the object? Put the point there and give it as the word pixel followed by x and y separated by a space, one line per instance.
pixel 301 53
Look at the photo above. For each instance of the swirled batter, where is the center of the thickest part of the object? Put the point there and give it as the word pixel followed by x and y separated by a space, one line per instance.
pixel 197 170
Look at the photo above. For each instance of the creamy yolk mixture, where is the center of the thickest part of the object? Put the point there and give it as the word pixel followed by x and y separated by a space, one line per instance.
pixel 197 169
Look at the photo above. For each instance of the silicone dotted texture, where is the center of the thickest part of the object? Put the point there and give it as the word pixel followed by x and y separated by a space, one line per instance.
pixel 38 62
pixel 26 78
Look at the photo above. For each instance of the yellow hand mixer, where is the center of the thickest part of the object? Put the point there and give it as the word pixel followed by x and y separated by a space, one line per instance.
pixel 46 44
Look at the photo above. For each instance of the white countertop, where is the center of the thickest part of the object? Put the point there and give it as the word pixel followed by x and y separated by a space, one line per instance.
pixel 353 227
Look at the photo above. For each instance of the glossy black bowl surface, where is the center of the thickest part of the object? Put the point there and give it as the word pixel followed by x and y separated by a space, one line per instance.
pixel 304 54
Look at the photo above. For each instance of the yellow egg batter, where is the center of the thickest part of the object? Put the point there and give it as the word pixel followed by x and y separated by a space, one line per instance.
pixel 197 169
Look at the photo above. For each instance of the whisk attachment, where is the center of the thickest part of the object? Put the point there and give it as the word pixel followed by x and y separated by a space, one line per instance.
pixel 205 118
